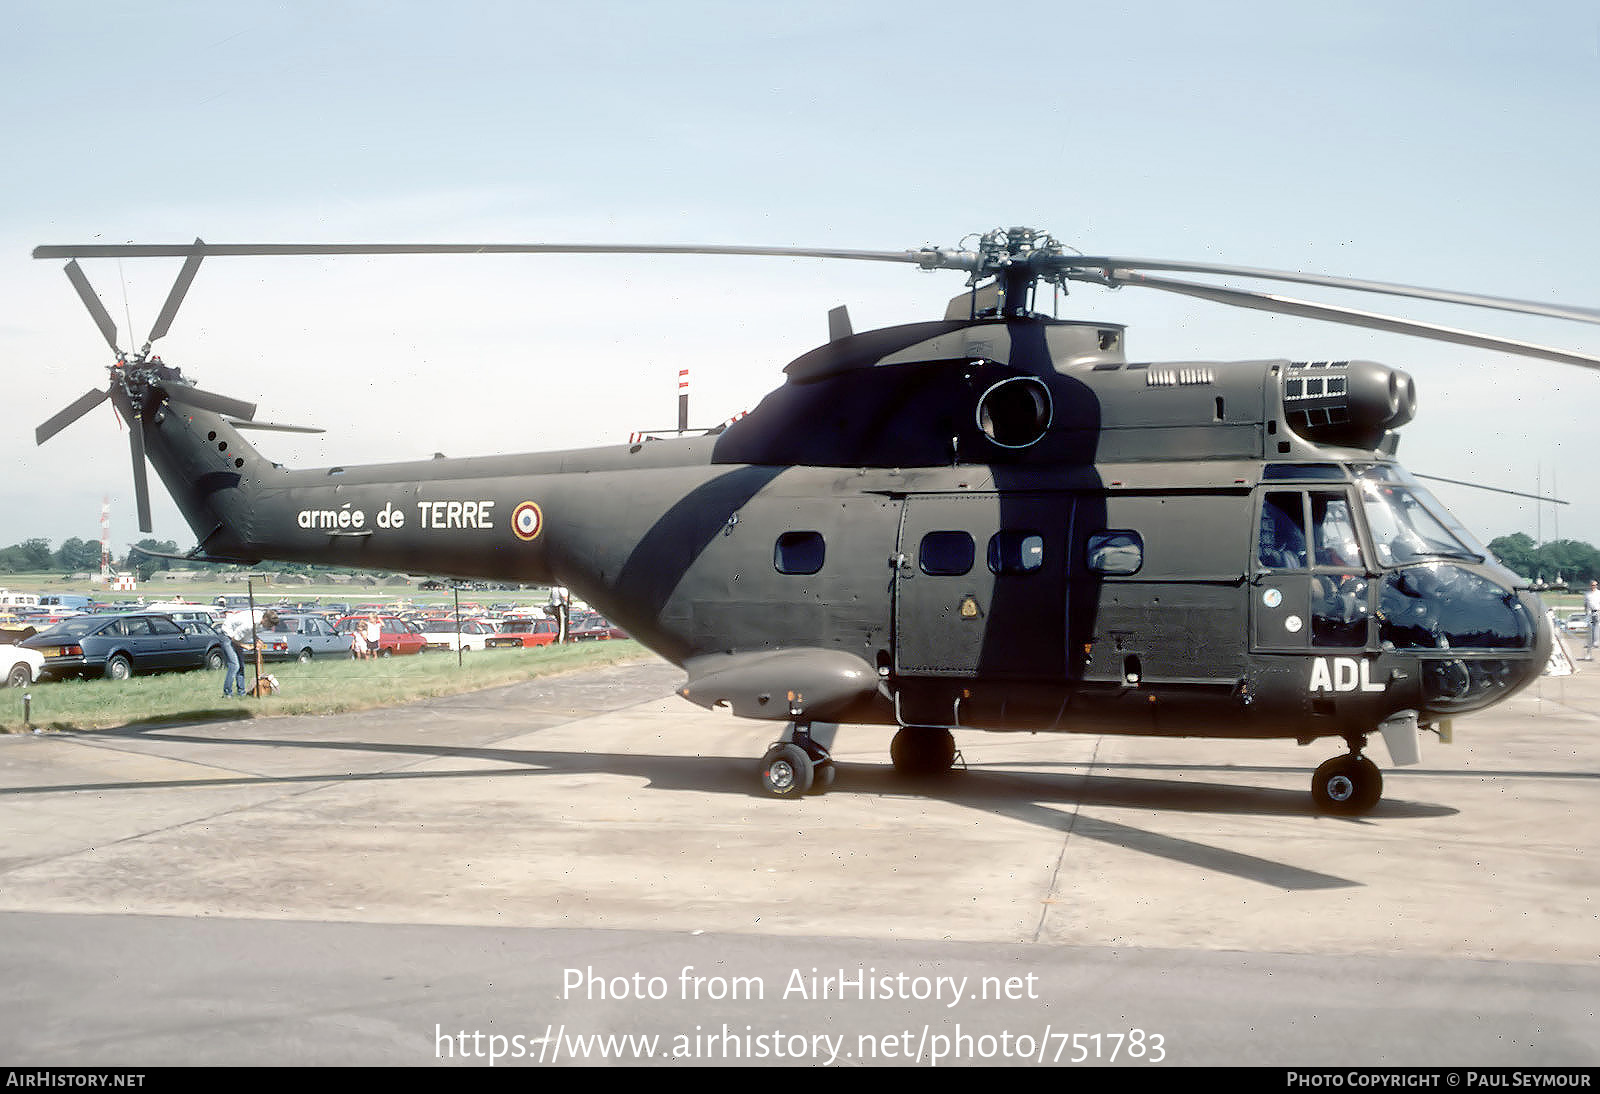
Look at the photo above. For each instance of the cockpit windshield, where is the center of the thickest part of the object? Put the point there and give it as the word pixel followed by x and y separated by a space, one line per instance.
pixel 1406 523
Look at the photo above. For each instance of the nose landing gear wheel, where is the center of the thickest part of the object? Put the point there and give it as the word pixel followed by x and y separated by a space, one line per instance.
pixel 1347 785
pixel 786 771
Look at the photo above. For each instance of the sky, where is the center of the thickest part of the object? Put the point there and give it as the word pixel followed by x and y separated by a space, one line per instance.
pixel 1447 144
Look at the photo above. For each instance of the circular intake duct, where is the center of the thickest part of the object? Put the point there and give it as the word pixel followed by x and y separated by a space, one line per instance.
pixel 1015 413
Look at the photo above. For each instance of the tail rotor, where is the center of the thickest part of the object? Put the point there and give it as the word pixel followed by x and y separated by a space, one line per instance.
pixel 140 382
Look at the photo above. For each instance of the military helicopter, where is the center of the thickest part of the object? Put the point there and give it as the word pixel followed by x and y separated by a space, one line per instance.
pixel 994 520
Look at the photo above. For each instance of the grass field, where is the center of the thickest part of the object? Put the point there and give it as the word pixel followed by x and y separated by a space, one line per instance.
pixel 321 687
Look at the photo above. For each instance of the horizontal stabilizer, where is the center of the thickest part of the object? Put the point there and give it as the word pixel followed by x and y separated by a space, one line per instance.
pixel 274 427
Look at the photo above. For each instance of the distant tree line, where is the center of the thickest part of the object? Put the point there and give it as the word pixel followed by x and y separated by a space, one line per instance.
pixel 76 556
pixel 1559 561
pixel 35 555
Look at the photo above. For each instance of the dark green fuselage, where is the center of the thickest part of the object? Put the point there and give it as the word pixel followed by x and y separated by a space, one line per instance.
pixel 1114 515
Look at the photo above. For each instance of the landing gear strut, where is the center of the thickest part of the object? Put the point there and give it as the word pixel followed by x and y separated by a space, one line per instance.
pixel 797 765
pixel 1347 785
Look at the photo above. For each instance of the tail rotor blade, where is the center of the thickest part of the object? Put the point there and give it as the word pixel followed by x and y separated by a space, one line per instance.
pixel 97 310
pixel 206 400
pixel 78 409
pixel 180 287
pixel 141 482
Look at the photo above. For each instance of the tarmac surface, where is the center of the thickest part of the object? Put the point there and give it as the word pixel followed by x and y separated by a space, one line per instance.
pixel 519 872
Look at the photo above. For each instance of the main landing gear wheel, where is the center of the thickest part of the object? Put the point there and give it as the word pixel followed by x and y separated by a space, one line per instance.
pixel 1347 785
pixel 920 751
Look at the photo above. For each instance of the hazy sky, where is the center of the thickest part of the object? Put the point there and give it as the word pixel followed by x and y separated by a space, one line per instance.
pixel 1447 144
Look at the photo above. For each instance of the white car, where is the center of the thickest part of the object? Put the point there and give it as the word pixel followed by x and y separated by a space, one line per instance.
pixel 20 667
pixel 442 634
pixel 1577 622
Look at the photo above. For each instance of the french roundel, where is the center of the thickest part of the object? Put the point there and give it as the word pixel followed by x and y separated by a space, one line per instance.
pixel 526 520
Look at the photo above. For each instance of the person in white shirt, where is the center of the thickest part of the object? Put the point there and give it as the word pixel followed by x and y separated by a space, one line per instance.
pixel 239 628
pixel 1591 604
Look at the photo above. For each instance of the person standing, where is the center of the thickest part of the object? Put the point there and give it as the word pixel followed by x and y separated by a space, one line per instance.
pixel 1591 604
pixel 561 610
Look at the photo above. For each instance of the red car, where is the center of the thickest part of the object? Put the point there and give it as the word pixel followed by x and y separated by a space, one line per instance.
pixel 397 636
pixel 591 627
pixel 519 634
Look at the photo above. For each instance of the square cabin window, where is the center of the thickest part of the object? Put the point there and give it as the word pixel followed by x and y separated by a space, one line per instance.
pixel 1115 553
pixel 947 554
pixel 799 553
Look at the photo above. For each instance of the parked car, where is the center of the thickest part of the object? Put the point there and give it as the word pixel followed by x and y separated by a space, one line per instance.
pixel 13 628
pixel 20 667
pixel 300 638
pixel 590 627
pixel 120 646
pixel 517 634
pixel 446 634
pixel 181 613
pixel 1577 622
pixel 397 636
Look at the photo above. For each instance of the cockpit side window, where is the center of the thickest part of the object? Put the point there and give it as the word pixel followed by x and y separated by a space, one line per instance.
pixel 1334 530
pixel 1283 531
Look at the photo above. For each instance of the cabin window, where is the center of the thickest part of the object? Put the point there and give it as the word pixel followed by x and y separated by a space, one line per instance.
pixel 1016 552
pixel 1116 554
pixel 947 554
pixel 799 553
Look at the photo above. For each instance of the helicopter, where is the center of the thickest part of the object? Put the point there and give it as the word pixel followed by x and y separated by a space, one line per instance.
pixel 994 520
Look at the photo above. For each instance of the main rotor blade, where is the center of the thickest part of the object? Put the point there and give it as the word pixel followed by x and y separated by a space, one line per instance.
pixel 206 400
pixel 929 257
pixel 91 300
pixel 141 482
pixel 80 406
pixel 174 298
pixel 1350 317
pixel 1476 300
pixel 1494 489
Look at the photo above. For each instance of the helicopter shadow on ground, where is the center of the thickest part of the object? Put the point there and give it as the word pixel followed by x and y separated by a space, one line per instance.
pixel 1049 801
pixel 1055 801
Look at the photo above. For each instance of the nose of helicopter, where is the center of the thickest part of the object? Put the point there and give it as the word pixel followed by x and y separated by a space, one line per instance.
pixel 1483 668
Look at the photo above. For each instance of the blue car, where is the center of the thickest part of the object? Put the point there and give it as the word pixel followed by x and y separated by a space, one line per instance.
pixel 119 646
pixel 300 637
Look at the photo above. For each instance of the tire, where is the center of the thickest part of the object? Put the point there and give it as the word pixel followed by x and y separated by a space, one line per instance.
pixel 921 751
pixel 214 659
pixel 1347 786
pixel 20 675
pixel 786 771
pixel 305 656
pixel 386 652
pixel 118 667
